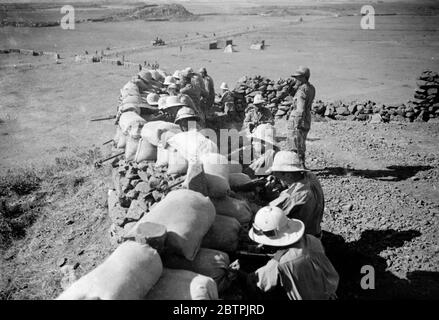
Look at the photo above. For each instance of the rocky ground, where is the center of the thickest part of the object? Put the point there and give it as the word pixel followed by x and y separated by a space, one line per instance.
pixel 380 183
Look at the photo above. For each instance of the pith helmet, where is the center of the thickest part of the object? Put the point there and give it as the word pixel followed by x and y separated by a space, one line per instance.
pixel 169 80
pixel 302 72
pixel 162 102
pixel 286 161
pixel 152 99
pixel 173 101
pixel 145 75
pixel 271 227
pixel 224 86
pixel 185 113
pixel 177 74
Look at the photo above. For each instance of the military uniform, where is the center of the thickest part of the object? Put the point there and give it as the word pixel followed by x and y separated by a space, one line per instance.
pixel 256 116
pixel 304 200
pixel 208 83
pixel 194 92
pixel 302 272
pixel 300 118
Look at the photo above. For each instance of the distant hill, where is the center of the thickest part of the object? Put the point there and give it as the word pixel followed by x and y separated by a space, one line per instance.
pixel 154 12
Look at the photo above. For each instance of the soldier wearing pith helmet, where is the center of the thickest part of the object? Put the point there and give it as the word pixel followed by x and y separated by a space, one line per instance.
pixel 300 118
pixel 299 269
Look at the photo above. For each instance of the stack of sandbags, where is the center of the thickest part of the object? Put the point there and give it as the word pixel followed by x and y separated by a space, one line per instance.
pixel 426 98
pixel 278 94
pixel 233 215
pixel 128 273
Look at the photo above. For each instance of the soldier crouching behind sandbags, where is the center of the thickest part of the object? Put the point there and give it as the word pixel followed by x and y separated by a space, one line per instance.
pixel 302 196
pixel 299 269
pixel 257 114
pixel 264 148
pixel 188 119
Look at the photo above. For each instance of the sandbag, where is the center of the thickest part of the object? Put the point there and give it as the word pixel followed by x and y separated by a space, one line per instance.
pixel 145 151
pixel 122 141
pixel 231 207
pixel 162 152
pixel 196 179
pixel 152 131
pixel 117 135
pixel 176 284
pixel 130 123
pixel 192 145
pixel 238 179
pixel 162 156
pixel 223 234
pixel 187 215
pixel 131 147
pixel 177 164
pixel 127 274
pixel 129 107
pixel 216 169
pixel 208 262
pixel 235 167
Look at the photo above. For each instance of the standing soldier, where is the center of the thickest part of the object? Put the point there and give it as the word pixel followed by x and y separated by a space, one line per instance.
pixel 208 83
pixel 300 118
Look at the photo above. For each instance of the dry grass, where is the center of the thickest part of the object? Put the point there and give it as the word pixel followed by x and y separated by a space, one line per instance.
pixel 48 213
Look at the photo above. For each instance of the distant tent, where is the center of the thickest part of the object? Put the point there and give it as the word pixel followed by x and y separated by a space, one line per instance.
pixel 229 49
pixel 257 46
pixel 229 41
pixel 213 45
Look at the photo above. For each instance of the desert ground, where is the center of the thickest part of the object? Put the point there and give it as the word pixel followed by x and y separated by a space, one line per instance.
pixel 380 180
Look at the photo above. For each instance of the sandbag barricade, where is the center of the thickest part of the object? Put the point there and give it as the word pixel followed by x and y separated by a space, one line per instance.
pixel 127 274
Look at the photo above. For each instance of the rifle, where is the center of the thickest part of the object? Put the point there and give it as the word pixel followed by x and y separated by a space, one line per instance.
pixel 106 118
pixel 247 254
pixel 107 142
pixel 251 185
pixel 99 163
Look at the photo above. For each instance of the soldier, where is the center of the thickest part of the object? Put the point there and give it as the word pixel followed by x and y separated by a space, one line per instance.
pixel 227 101
pixel 299 122
pixel 299 269
pixel 264 149
pixel 188 119
pixel 210 88
pixel 257 114
pixel 173 89
pixel 302 197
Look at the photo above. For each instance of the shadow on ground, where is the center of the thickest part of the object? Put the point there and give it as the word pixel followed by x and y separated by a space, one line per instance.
pixel 349 258
pixel 391 173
